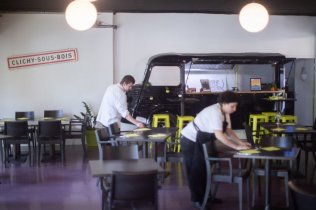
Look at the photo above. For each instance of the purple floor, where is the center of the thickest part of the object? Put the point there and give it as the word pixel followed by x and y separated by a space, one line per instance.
pixel 71 187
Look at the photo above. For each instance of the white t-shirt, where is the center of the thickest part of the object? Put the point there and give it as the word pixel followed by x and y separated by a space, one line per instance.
pixel 208 120
pixel 113 106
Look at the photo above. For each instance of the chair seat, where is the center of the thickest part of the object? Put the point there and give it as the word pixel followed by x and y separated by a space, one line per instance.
pixel 236 173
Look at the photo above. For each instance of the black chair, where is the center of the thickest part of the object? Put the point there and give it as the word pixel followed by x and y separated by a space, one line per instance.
pixel 109 152
pixel 50 133
pixel 24 115
pixel 20 135
pixel 77 130
pixel 53 114
pixel 277 169
pixel 114 129
pixel 307 144
pixel 28 115
pixel 224 173
pixel 303 195
pixel 128 152
pixel 134 186
pixel 103 138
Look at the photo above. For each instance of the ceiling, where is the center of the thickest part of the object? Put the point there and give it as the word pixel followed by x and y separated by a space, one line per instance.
pixel 275 7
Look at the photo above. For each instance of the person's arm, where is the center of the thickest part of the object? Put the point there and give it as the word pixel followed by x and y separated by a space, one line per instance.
pixel 235 138
pixel 134 121
pixel 224 139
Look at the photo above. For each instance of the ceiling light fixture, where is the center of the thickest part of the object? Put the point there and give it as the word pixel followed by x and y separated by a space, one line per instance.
pixel 81 14
pixel 253 17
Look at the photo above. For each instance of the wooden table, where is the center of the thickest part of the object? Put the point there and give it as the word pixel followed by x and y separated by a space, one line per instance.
pixel 287 128
pixel 268 156
pixel 148 136
pixel 102 168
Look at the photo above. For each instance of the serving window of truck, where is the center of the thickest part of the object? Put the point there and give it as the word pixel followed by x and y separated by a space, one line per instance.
pixel 184 84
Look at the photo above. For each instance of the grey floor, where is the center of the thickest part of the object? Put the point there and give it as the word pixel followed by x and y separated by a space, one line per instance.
pixel 56 187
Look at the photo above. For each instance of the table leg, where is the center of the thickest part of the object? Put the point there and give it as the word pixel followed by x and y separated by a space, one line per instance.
pixel 268 185
pixel 145 149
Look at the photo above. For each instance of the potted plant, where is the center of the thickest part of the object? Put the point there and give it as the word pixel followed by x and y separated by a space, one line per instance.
pixel 90 120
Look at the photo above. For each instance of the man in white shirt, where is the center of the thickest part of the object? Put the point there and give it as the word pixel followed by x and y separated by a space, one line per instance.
pixel 114 104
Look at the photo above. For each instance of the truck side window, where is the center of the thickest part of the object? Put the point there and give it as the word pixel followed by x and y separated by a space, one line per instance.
pixel 165 76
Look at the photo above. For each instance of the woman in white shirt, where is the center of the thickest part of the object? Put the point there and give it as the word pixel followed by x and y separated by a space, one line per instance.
pixel 215 121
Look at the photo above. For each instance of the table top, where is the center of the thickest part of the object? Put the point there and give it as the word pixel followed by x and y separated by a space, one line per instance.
pixel 270 154
pixel 2 136
pixel 146 134
pixel 64 121
pixel 101 168
pixel 287 128
pixel 277 99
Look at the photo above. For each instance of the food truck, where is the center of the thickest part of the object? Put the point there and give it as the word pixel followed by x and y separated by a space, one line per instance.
pixel 184 84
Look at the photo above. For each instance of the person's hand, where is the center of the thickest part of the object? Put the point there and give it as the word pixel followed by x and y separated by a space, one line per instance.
pixel 242 147
pixel 246 144
pixel 140 125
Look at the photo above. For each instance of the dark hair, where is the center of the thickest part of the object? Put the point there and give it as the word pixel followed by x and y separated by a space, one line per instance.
pixel 127 79
pixel 227 97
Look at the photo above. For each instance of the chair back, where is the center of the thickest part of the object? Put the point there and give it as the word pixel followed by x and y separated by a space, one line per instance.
pixel 249 137
pixel 102 134
pixel 114 129
pixel 283 142
pixel 24 115
pixel 76 128
pixel 120 152
pixel 16 128
pixel 54 113
pixel 303 195
pixel 128 186
pixel 103 138
pixel 51 128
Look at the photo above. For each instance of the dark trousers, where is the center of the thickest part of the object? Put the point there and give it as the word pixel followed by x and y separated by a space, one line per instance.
pixel 195 168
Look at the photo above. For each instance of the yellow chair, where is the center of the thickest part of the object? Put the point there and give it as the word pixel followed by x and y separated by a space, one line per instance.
pixel 161 118
pixel 288 119
pixel 271 116
pixel 254 119
pixel 181 122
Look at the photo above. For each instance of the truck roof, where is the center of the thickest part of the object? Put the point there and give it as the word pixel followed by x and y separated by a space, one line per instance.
pixel 219 58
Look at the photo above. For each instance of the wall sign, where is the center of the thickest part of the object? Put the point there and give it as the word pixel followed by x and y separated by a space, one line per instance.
pixel 58 56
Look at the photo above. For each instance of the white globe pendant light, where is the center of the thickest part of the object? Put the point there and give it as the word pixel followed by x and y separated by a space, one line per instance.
pixel 81 15
pixel 253 17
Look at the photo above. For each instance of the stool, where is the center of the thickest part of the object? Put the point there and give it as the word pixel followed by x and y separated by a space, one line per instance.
pixel 254 119
pixel 271 116
pixel 288 119
pixel 181 122
pixel 158 118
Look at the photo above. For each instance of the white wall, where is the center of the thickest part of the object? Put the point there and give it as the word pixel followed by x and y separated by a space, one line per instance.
pixel 141 36
pixel 138 37
pixel 54 86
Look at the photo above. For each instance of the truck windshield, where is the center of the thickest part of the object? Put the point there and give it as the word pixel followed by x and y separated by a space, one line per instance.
pixel 165 76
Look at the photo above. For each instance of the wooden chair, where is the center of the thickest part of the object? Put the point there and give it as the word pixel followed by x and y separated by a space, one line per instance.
pixel 24 115
pixel 303 195
pixel 103 138
pixel 28 115
pixel 134 186
pixel 53 114
pixel 225 174
pixel 77 130
pixel 50 133
pixel 110 152
pixel 20 135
